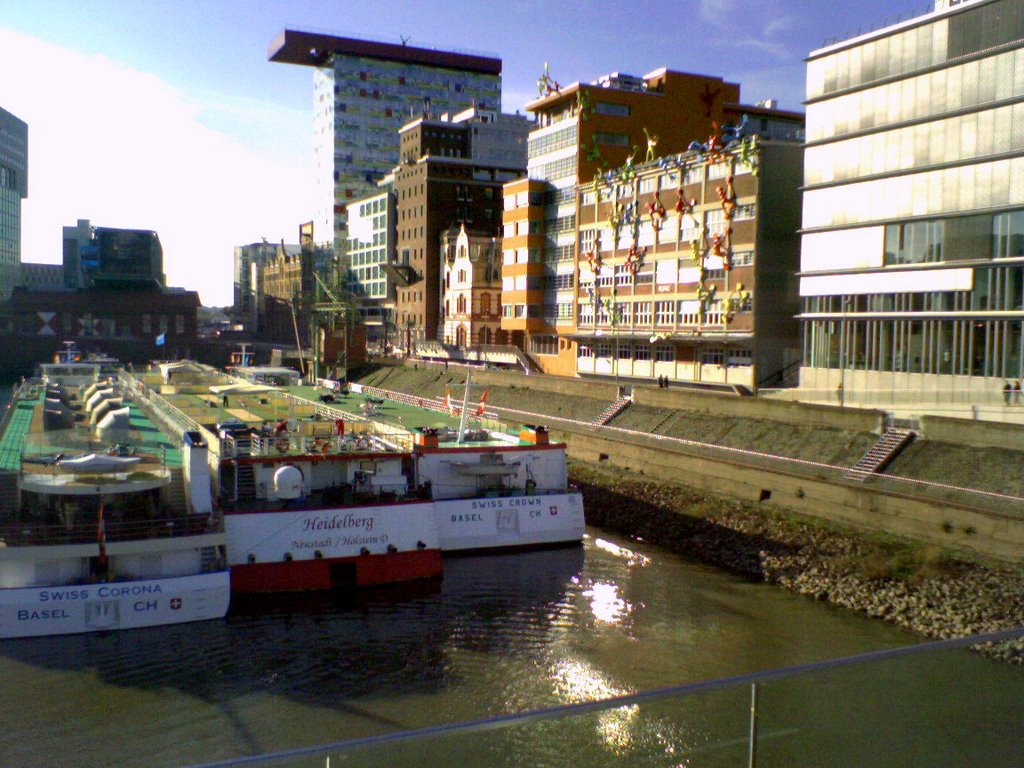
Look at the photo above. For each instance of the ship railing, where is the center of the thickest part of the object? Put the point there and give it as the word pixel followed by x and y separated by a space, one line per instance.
pixel 284 444
pixel 57 476
pixel 335 497
pixel 28 533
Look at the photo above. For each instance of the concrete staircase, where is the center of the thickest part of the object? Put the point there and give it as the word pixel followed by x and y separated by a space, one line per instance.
pixel 888 446
pixel 245 481
pixel 613 410
pixel 174 496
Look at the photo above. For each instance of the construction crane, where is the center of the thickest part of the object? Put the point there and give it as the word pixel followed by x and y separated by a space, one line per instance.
pixel 328 311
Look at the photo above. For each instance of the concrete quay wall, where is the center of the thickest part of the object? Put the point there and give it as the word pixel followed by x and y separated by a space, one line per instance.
pixel 713 403
pixel 988 534
pixel 979 434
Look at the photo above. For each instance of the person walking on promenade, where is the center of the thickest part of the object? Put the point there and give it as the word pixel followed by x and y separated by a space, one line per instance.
pixel 1016 392
pixel 1007 392
pixel 839 393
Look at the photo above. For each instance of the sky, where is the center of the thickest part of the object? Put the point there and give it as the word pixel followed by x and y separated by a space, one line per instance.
pixel 166 114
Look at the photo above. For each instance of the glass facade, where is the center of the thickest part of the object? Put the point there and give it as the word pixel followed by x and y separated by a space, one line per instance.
pixel 13 187
pixel 359 105
pixel 918 132
pixel 371 244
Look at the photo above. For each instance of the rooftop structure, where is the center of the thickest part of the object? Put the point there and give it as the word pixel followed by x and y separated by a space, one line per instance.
pixel 363 92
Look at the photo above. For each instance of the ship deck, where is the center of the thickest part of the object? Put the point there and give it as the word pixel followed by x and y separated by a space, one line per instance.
pixel 25 437
pixel 204 400
pixel 12 440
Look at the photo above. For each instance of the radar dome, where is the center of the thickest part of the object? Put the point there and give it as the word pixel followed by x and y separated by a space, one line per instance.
pixel 288 482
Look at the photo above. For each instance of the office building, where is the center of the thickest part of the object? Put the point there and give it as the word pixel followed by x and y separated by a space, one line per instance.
pixel 912 262
pixel 452 172
pixel 249 261
pixel 371 248
pixel 364 91
pixel 586 130
pixel 13 189
pixel 112 258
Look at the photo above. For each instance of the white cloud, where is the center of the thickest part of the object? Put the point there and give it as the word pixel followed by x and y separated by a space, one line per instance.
pixel 125 149
pixel 715 10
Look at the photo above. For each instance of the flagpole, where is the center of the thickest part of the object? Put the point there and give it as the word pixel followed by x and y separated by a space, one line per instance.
pixel 101 536
pixel 465 406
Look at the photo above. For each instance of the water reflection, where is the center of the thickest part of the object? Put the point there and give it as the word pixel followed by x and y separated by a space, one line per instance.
pixel 499 634
pixel 605 603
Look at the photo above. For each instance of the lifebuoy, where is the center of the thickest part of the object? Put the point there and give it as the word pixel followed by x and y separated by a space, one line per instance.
pixel 281 444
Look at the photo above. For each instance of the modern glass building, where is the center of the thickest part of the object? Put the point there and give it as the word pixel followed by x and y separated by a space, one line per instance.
pixel 13 189
pixel 364 91
pixel 912 260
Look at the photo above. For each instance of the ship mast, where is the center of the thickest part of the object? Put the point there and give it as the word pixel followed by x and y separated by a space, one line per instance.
pixel 465 407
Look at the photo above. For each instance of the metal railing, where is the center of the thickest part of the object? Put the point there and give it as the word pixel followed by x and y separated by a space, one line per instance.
pixel 38 534
pixel 770 717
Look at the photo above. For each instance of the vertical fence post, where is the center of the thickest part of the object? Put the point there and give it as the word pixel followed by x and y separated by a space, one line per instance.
pixel 752 759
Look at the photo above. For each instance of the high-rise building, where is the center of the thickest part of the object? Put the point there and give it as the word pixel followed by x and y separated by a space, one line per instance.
pixel 585 130
pixel 452 171
pixel 13 189
pixel 363 92
pixel 912 260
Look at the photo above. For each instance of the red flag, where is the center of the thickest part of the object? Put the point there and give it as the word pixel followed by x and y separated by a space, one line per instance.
pixel 483 402
pixel 101 537
pixel 448 400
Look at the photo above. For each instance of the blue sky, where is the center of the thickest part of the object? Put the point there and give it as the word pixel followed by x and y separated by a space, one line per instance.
pixel 166 115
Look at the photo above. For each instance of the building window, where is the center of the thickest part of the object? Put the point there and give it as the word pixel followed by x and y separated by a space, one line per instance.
pixel 641 352
pixel 665 312
pixel 643 313
pixel 612 139
pixel 585 350
pixel 712 356
pixel 665 353
pixel 544 345
pixel 607 108
pixel 719 170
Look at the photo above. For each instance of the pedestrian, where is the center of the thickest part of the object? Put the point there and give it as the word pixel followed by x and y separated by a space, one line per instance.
pixel 225 401
pixel 1016 391
pixel 839 393
pixel 1007 392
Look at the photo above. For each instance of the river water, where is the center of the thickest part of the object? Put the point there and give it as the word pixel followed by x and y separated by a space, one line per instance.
pixel 504 634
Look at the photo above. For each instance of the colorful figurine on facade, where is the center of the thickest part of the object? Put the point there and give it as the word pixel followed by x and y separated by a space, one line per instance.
pixel 734 302
pixel 634 258
pixel 652 143
pixel 545 85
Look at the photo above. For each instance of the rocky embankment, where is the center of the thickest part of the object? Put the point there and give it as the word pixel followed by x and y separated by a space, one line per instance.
pixel 921 588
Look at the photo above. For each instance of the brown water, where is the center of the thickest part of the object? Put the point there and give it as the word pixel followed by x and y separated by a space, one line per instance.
pixel 503 634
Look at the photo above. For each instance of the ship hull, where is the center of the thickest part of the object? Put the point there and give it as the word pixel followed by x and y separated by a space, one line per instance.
pixel 509 522
pixel 336 573
pixel 66 610
pixel 290 550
